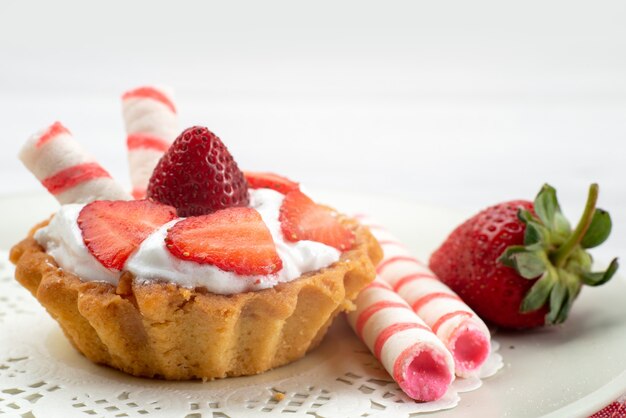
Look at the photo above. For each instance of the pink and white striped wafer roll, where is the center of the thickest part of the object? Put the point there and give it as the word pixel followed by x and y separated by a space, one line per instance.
pixel 151 125
pixel 66 169
pixel 461 330
pixel 407 348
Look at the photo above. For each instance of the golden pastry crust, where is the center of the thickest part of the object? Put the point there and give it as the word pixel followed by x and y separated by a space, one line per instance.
pixel 167 331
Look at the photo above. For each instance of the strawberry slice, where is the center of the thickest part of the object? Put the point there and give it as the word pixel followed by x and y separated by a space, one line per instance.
pixel 234 239
pixel 257 180
pixel 112 230
pixel 303 219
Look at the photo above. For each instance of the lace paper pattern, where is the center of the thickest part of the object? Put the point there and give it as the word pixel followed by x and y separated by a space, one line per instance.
pixel 42 375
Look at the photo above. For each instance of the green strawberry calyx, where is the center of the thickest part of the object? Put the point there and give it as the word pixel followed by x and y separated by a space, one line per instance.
pixel 556 255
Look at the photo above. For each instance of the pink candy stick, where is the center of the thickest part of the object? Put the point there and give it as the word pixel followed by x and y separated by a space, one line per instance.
pixel 407 348
pixel 69 173
pixel 459 328
pixel 151 125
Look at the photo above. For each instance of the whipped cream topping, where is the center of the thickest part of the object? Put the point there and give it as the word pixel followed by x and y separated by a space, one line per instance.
pixel 152 261
pixel 63 240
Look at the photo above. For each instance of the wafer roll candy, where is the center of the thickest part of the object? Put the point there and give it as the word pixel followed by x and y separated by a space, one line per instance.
pixel 63 167
pixel 407 348
pixel 151 125
pixel 461 330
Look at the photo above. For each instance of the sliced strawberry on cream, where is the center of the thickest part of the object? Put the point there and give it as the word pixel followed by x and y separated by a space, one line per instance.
pixel 113 230
pixel 233 239
pixel 303 219
pixel 262 180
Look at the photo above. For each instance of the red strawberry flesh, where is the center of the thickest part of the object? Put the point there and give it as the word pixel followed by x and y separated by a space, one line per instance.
pixel 198 175
pixel 258 180
pixel 112 230
pixel 234 239
pixel 303 219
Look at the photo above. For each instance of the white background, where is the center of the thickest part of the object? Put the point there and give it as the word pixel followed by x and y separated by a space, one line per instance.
pixel 450 103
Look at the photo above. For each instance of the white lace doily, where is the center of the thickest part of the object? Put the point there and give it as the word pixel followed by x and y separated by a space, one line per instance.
pixel 42 375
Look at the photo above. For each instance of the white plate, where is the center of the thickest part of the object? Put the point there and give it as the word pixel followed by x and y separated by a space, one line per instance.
pixel 565 371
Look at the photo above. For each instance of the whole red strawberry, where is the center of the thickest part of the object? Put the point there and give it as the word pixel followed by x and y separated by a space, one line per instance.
pixel 198 175
pixel 519 264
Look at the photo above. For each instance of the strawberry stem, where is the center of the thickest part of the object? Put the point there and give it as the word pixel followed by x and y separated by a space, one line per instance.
pixel 561 255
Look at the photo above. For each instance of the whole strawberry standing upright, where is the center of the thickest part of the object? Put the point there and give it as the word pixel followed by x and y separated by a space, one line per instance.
pixel 198 175
pixel 519 264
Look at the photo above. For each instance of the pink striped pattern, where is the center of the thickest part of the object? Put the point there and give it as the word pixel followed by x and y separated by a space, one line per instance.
pixel 372 309
pixel 146 141
pixel 410 278
pixel 52 132
pixel 151 129
pixel 66 170
pixel 440 308
pixel 379 284
pixel 395 335
pixel 418 304
pixel 150 93
pixel 392 330
pixel 449 316
pixel 392 260
pixel 73 176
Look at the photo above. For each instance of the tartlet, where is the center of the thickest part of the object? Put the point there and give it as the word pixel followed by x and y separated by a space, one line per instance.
pixel 160 329
pixel 209 272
